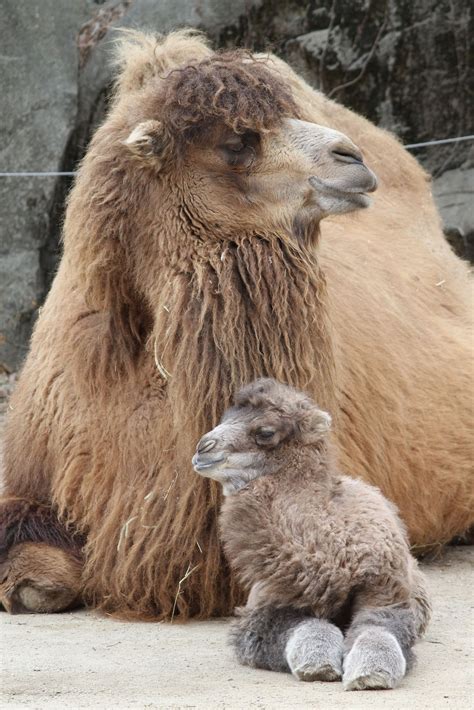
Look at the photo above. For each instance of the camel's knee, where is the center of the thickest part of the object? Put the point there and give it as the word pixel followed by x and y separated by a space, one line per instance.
pixel 288 640
pixel 314 651
pixel 36 577
pixel 40 558
pixel 398 621
pixel 259 636
pixel 374 662
pixel 378 648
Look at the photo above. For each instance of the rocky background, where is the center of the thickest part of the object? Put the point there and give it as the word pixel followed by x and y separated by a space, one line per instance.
pixel 402 63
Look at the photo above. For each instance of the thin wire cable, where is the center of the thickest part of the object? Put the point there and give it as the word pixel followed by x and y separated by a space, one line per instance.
pixel 440 142
pixel 410 146
pixel 38 174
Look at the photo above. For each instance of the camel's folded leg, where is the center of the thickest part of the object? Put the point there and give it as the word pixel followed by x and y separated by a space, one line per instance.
pixel 36 577
pixel 288 640
pixel 40 560
pixel 378 647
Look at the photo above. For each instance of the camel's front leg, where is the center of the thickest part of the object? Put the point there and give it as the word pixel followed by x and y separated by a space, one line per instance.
pixel 288 640
pixel 40 560
pixel 377 648
pixel 39 578
pixel 314 650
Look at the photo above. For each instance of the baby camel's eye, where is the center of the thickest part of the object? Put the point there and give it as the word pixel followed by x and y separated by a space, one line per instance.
pixel 264 435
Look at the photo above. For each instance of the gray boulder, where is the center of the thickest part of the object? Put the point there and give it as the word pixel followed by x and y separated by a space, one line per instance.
pixel 454 195
pixel 39 67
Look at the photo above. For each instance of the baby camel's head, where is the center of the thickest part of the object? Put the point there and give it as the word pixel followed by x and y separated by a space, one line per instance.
pixel 268 418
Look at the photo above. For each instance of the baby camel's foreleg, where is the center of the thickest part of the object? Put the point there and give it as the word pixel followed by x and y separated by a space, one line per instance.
pixel 377 647
pixel 288 640
pixel 388 619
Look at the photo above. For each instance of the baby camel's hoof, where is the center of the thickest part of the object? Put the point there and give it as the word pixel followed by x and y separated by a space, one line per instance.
pixel 310 673
pixel 375 662
pixel 314 651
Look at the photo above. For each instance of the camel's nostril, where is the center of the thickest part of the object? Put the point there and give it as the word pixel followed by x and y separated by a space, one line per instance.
pixel 206 445
pixel 347 155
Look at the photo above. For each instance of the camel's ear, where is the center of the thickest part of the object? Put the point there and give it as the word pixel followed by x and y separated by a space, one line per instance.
pixel 313 425
pixel 147 140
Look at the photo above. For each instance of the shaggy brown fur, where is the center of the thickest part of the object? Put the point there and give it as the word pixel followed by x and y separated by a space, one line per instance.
pixel 26 521
pixel 177 286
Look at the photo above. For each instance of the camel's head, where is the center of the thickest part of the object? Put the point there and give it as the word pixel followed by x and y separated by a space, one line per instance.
pixel 225 134
pixel 254 436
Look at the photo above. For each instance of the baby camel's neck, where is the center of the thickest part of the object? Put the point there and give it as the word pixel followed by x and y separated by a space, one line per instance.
pixel 310 462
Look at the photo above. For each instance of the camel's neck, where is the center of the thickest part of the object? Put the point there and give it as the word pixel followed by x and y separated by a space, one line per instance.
pixel 314 463
pixel 254 307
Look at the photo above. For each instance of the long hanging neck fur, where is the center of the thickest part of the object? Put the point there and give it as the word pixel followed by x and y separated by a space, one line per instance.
pixel 253 308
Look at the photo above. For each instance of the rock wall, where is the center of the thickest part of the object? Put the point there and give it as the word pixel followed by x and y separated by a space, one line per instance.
pixel 402 63
pixel 39 90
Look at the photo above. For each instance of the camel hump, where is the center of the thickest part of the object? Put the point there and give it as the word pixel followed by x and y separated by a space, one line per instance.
pixel 141 56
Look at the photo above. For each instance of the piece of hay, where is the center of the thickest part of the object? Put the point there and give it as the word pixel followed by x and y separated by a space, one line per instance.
pixel 188 573
pixel 161 369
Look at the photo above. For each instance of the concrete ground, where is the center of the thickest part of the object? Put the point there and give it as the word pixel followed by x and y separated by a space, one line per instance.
pixel 83 660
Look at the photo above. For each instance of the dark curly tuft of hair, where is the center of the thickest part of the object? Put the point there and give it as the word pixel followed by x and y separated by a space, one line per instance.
pixel 231 88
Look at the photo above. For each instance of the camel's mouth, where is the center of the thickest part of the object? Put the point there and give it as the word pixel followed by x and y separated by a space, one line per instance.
pixel 350 192
pixel 204 465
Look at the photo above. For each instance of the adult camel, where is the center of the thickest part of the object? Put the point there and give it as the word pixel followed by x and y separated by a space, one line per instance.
pixel 194 261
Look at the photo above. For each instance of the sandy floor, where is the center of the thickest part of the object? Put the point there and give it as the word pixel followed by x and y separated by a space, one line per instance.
pixel 81 660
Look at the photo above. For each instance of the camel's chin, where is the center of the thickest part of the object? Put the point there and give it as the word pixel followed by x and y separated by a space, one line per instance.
pixel 345 203
pixel 360 200
pixel 352 203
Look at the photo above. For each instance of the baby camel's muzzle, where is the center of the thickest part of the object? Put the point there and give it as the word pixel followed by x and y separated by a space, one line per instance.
pixel 203 460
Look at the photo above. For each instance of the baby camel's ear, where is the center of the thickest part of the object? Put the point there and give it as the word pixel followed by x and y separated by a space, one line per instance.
pixel 147 140
pixel 313 425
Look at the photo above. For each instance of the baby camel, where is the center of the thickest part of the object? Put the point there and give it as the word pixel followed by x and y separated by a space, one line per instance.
pixel 321 553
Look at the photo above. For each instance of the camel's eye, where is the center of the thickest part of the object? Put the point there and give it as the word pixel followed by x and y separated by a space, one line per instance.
pixel 264 435
pixel 240 150
pixel 235 147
